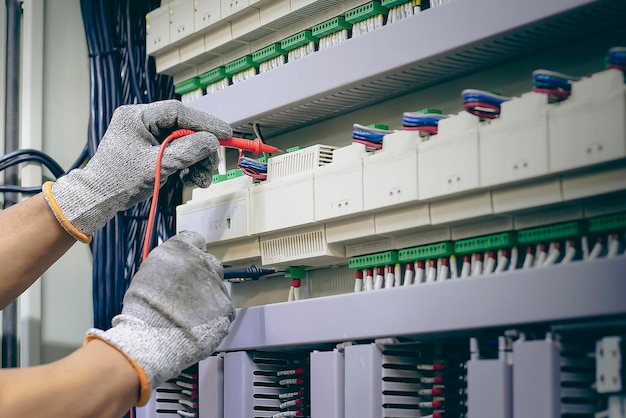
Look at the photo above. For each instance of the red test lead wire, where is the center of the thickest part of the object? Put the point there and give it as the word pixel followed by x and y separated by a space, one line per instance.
pixel 255 146
pixel 157 185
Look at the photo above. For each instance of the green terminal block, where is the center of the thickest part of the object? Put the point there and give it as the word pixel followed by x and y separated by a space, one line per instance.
pixel 426 252
pixel 485 243
pixel 263 159
pixel 549 233
pixel 393 3
pixel 298 272
pixel 608 223
pixel 430 112
pixel 267 53
pixel 213 76
pixel 330 26
pixel 373 260
pixel 239 65
pixel 187 86
pixel 296 148
pixel 219 177
pixel 297 40
pixel 365 11
pixel 235 172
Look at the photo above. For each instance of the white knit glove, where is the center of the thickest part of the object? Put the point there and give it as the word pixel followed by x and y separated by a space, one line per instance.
pixel 176 312
pixel 121 173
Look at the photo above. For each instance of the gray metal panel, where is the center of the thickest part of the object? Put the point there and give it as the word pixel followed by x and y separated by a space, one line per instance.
pixel 211 387
pixel 363 388
pixel 149 409
pixel 328 83
pixel 536 380
pixel 238 385
pixel 327 384
pixel 562 292
pixel 489 389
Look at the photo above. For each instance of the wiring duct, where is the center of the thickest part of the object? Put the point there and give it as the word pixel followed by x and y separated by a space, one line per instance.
pixel 121 73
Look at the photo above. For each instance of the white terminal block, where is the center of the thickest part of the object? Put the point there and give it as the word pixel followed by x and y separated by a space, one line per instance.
pixel 285 200
pixel 390 174
pixel 206 13
pixel 515 145
pixel 157 29
pixel 448 161
pixel 219 213
pixel 181 19
pixel 230 7
pixel 305 246
pixel 282 204
pixel 338 186
pixel 589 127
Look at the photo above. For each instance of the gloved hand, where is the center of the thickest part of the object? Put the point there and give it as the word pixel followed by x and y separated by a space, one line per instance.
pixel 122 171
pixel 175 313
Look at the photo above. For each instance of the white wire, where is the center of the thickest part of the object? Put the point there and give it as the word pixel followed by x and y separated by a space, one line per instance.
pixel 378 283
pixel 443 273
pixel 397 275
pixel 431 273
pixel 454 272
pixel 369 282
pixel 358 285
pixel 541 255
pixel 465 270
pixel 291 294
pixel 584 245
pixel 408 276
pixel 613 246
pixel 502 263
pixel 478 268
pixel 296 293
pixel 419 275
pixel 528 260
pixel 389 280
pixel 489 265
pixel 595 251
pixel 570 253
pixel 552 257
pixel 514 256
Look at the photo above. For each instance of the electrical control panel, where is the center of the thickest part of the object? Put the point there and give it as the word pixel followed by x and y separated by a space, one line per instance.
pixel 470 267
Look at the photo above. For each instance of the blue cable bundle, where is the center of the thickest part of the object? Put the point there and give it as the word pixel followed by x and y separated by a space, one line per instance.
pixel 253 168
pixel 121 73
pixel 370 135
pixel 557 86
pixel 425 120
pixel 484 104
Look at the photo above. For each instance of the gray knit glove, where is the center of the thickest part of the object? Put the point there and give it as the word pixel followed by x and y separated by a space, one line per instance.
pixel 176 312
pixel 121 173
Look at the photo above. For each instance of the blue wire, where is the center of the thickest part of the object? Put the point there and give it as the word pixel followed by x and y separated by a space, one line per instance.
pixel 431 121
pixel 552 81
pixel 483 98
pixel 368 136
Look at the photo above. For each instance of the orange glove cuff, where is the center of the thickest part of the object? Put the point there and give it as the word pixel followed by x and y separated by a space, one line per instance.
pixel 58 213
pixel 144 383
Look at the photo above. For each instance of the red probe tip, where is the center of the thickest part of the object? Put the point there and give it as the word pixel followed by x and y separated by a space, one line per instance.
pixel 254 146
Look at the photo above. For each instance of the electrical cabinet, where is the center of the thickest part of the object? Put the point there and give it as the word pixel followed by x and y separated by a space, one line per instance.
pixel 508 233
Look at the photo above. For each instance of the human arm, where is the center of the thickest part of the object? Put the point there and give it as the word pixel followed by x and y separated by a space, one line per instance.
pixel 120 175
pixel 94 381
pixel 32 240
pixel 176 311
